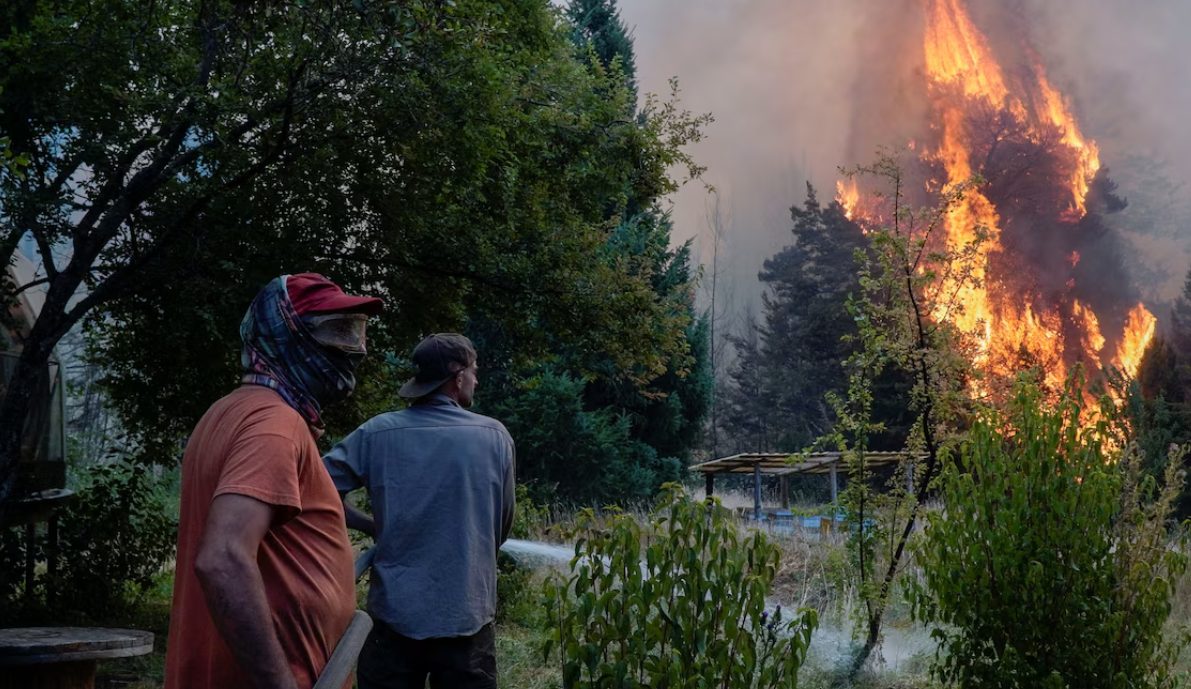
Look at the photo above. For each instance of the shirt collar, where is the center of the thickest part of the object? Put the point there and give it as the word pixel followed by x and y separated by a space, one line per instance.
pixel 437 399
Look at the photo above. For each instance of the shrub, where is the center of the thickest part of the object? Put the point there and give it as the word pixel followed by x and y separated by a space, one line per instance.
pixel 12 569
pixel 531 519
pixel 567 452
pixel 516 597
pixel 1051 565
pixel 114 538
pixel 679 602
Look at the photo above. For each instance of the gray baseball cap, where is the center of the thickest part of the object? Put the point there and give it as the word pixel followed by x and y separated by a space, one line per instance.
pixel 434 357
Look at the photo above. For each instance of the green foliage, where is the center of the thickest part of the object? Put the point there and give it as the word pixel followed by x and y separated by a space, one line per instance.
pixel 1051 563
pixel 663 415
pixel 679 602
pixel 906 335
pixel 12 569
pixel 609 439
pixel 114 539
pixel 566 451
pixel 1159 413
pixel 1162 412
pixel 11 163
pixel 667 415
pixel 456 158
pixel 598 27
pixel 516 599
pixel 531 518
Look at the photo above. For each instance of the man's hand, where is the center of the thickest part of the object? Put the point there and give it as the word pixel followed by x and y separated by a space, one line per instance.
pixel 231 579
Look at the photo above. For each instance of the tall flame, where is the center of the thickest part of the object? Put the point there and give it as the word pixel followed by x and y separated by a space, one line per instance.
pixel 848 195
pixel 1139 330
pixel 956 52
pixel 1056 112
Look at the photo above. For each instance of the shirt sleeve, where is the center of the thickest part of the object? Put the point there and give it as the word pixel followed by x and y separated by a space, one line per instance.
pixel 509 509
pixel 264 466
pixel 347 462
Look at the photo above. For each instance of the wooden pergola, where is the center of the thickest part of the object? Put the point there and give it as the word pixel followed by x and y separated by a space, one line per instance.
pixel 783 465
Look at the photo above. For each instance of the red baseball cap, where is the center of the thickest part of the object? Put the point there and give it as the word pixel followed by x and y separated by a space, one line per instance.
pixel 311 293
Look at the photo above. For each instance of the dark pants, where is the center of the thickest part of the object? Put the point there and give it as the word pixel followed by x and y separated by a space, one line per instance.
pixel 392 661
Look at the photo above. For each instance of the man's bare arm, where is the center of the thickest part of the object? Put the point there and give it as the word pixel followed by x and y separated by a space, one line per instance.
pixel 231 580
pixel 357 519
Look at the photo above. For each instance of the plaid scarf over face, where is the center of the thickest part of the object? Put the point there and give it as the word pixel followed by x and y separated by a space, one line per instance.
pixel 280 353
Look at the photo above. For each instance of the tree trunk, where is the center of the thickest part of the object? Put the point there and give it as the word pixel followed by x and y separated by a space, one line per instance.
pixel 870 645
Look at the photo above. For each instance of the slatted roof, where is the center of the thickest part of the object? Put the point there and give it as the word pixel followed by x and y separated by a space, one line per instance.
pixel 780 464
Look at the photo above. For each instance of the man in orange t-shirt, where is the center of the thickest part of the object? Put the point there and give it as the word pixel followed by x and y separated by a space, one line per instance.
pixel 264 586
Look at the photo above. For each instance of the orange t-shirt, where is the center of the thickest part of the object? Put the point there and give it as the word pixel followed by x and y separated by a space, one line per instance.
pixel 252 443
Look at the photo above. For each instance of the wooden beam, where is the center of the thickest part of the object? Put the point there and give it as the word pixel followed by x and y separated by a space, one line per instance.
pixel 757 492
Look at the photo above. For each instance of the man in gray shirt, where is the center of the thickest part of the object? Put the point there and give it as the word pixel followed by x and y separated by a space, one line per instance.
pixel 440 479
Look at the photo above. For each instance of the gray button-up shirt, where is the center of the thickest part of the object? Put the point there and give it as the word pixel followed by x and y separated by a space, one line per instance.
pixel 441 483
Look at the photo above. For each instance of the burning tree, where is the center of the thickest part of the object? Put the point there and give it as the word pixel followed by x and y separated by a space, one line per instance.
pixel 1011 268
pixel 1048 289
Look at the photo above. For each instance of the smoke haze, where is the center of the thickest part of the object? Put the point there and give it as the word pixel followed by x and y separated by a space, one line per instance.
pixel 800 87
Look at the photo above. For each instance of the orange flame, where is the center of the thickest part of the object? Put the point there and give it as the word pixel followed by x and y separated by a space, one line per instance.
pixel 848 196
pixel 956 52
pixel 1056 112
pixel 1139 330
pixel 1089 325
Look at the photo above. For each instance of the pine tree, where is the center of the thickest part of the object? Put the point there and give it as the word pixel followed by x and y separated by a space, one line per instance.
pixel 631 432
pixel 1162 413
pixel 747 411
pixel 598 24
pixel 1180 336
pixel 797 355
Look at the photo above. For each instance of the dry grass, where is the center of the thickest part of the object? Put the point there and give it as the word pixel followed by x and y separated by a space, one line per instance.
pixel 519 658
pixel 814 574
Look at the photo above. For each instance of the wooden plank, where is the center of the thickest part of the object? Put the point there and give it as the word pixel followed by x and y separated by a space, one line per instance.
pixel 757 493
pixel 33 645
pixel 780 464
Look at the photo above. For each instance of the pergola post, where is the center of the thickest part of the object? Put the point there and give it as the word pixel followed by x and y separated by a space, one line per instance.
pixel 784 482
pixel 910 477
pixel 709 484
pixel 757 491
pixel 834 484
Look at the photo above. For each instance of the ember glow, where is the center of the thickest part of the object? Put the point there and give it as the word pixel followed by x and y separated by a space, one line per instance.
pixel 1027 302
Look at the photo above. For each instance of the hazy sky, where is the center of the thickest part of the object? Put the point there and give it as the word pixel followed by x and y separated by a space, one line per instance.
pixel 780 77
